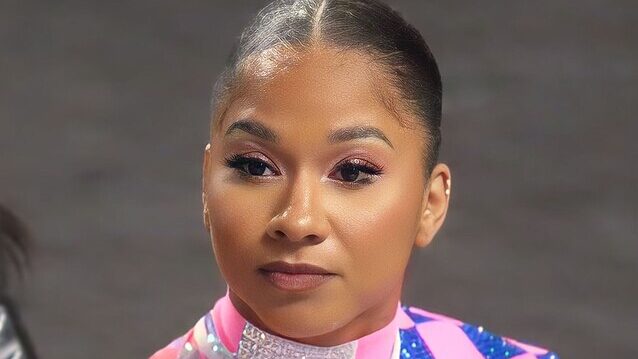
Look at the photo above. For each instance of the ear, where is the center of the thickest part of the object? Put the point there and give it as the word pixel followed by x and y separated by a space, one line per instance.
pixel 205 173
pixel 435 204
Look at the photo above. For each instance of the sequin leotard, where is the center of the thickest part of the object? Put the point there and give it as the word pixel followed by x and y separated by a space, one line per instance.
pixel 413 334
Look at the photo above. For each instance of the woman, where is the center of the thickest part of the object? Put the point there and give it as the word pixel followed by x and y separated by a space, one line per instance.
pixel 320 178
pixel 14 343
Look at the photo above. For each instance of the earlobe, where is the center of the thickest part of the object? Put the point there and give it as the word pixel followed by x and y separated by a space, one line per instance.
pixel 424 235
pixel 435 205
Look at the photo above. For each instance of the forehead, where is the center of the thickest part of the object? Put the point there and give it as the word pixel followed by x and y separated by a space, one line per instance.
pixel 323 90
pixel 323 78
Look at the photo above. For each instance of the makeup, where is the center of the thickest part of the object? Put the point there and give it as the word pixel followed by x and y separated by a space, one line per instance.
pixel 296 277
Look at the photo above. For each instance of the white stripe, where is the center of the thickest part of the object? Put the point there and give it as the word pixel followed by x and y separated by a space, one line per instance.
pixel 396 349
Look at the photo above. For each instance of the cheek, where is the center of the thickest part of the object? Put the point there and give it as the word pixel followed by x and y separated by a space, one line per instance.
pixel 237 227
pixel 378 229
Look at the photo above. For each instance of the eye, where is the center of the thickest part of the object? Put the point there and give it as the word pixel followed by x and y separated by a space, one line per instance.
pixel 357 172
pixel 352 172
pixel 249 166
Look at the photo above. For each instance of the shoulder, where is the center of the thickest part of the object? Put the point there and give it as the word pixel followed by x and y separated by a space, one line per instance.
pixel 201 341
pixel 428 335
pixel 173 350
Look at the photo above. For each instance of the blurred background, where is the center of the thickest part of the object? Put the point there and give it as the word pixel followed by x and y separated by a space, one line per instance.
pixel 104 116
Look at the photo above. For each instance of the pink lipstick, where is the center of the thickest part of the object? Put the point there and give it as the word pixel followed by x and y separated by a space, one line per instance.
pixel 295 277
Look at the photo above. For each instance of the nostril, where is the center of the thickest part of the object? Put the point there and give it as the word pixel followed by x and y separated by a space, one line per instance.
pixel 312 238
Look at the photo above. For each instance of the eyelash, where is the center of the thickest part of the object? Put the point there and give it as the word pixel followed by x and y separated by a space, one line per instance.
pixel 237 162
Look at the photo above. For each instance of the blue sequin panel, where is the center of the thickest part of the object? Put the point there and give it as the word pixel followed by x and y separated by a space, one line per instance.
pixel 412 346
pixel 490 345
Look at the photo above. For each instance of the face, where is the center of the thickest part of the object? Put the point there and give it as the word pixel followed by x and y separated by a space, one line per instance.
pixel 314 199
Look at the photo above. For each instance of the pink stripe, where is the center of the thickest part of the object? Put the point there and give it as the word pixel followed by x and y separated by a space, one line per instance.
pixel 228 323
pixel 436 316
pixel 379 344
pixel 447 341
pixel 530 348
pixel 525 356
pixel 404 321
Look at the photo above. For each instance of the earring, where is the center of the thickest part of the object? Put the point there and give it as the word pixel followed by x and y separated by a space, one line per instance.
pixel 447 190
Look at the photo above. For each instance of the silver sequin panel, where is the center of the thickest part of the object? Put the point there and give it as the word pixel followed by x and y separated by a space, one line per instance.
pixel 257 344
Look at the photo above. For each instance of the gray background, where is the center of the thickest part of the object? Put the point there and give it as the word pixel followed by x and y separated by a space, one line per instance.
pixel 103 117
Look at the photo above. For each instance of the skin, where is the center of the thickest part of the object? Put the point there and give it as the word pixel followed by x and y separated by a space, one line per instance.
pixel 303 208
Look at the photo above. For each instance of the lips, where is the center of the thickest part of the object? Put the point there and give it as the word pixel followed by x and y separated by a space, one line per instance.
pixel 295 276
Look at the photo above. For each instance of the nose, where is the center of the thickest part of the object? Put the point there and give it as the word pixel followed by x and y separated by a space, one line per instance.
pixel 302 217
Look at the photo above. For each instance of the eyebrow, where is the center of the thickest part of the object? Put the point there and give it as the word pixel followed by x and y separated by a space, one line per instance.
pixel 345 134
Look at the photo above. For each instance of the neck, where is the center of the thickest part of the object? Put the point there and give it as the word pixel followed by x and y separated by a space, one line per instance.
pixel 374 329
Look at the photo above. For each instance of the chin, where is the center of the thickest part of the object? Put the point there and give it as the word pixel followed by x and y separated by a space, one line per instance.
pixel 302 330
pixel 305 321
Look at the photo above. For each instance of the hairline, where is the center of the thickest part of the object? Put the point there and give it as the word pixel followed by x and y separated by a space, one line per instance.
pixel 385 93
